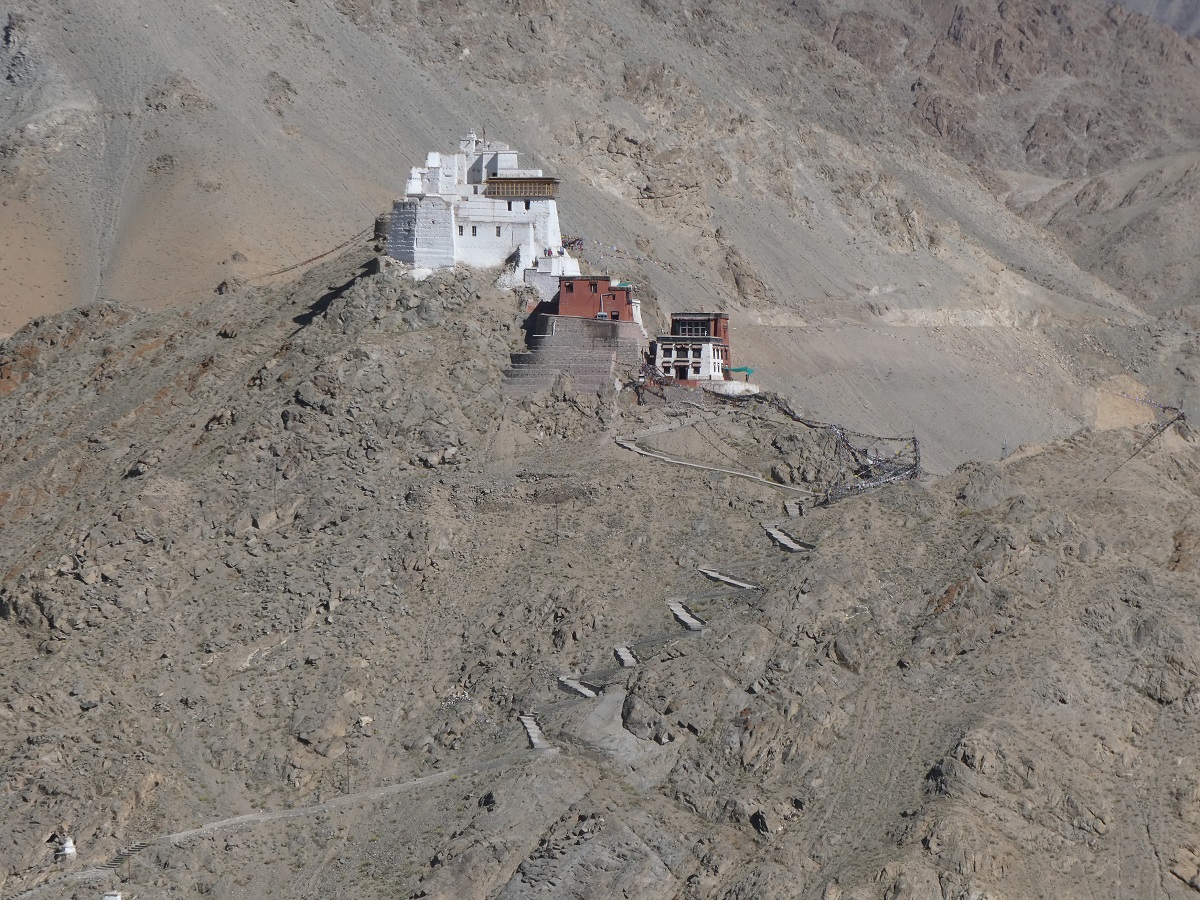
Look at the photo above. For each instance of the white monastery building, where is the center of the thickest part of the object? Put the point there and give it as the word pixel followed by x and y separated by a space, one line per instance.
pixel 697 350
pixel 477 207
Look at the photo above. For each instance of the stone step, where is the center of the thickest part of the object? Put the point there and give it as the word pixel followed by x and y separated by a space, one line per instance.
pixel 537 739
pixel 518 391
pixel 783 539
pixel 591 369
pixel 577 686
pixel 625 657
pixel 565 358
pixel 575 366
pixel 574 344
pixel 684 615
pixel 119 860
pixel 597 375
pixel 726 579
pixel 578 379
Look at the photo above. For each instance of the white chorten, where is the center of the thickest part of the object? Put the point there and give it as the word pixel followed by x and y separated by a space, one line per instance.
pixel 477 207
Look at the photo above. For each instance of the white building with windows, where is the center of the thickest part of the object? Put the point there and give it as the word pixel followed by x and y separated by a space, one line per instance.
pixel 692 359
pixel 477 207
pixel 697 351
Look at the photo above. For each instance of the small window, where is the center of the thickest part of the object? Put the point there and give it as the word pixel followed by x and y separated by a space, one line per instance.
pixel 668 352
pixel 695 370
pixel 592 287
pixel 474 231
pixel 570 287
pixel 510 206
pixel 697 353
pixel 477 189
pixel 527 204
pixel 615 315
pixel 497 231
pixel 460 231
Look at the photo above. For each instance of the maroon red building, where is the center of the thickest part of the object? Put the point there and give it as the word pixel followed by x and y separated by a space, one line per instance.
pixel 595 297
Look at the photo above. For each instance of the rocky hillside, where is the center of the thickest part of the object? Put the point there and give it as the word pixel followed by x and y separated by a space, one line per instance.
pixel 296 601
pixel 1181 15
pixel 282 570
pixel 150 152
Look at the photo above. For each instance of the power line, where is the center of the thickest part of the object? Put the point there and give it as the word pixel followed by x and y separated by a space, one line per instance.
pixel 312 259
pixel 1178 417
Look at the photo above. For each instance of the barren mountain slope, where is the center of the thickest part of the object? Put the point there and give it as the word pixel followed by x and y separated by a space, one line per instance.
pixel 1042 99
pixel 1182 15
pixel 799 191
pixel 151 152
pixel 280 568
pixel 290 559
pixel 1113 218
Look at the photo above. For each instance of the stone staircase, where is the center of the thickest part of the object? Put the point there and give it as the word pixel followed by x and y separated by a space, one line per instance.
pixel 590 351
pixel 591 371
pixel 119 860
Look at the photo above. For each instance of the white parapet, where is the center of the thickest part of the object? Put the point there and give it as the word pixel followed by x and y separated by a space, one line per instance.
pixel 577 686
pixel 684 615
pixel 537 740
pixel 730 388
pixel 625 657
pixel 726 579
pixel 783 539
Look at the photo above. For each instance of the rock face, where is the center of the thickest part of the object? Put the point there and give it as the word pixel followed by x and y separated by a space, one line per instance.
pixel 1181 15
pixel 272 604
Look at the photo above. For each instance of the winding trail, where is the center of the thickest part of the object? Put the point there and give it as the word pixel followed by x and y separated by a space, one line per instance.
pixel 630 444
pixel 252 819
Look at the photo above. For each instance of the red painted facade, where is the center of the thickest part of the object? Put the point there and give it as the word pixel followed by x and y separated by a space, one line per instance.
pixel 705 325
pixel 590 296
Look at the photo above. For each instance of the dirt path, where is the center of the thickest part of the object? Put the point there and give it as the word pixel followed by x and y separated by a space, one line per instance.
pixel 628 444
pixel 252 819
